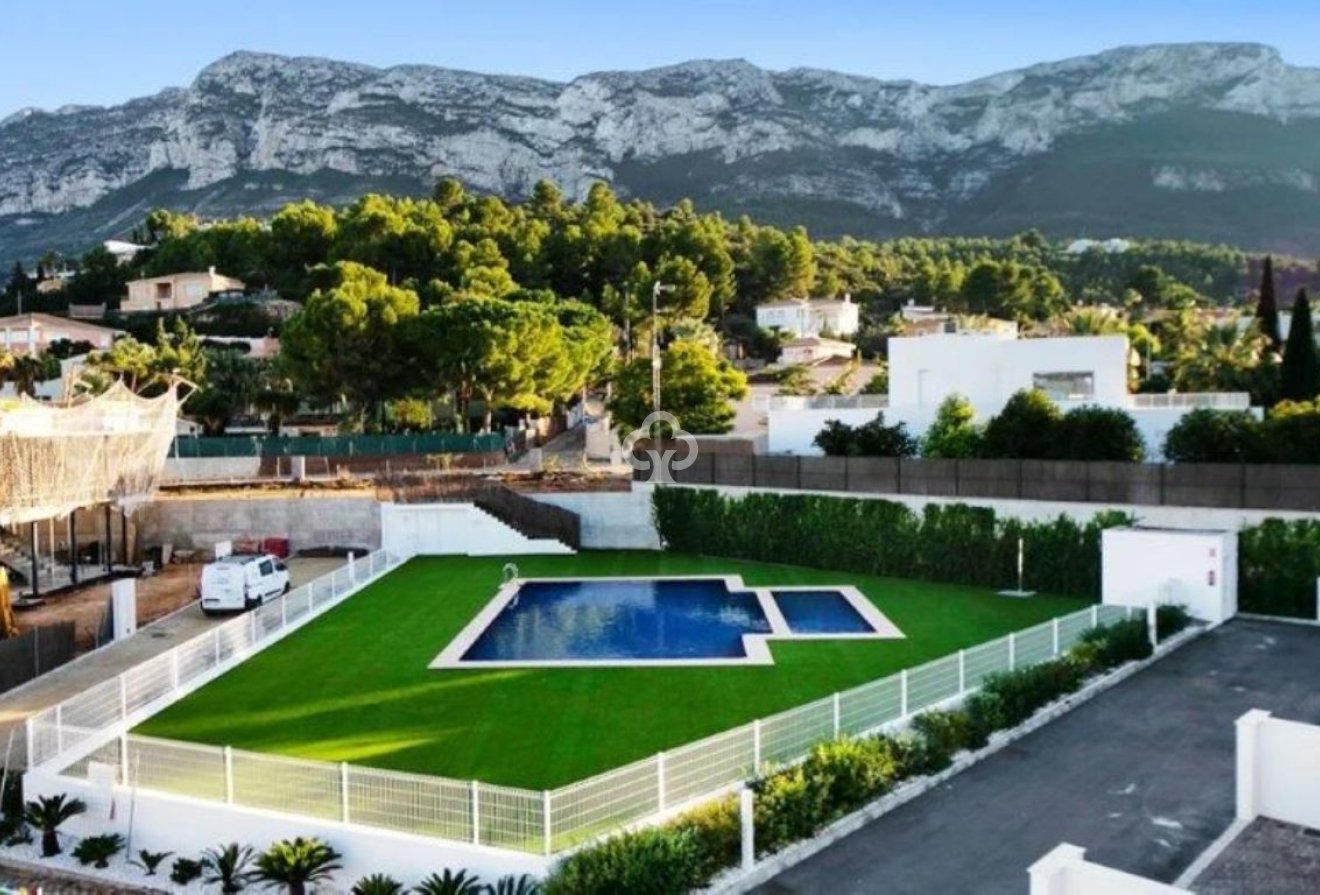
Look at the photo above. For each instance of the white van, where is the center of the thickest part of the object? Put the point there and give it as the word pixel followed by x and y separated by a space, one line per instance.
pixel 239 582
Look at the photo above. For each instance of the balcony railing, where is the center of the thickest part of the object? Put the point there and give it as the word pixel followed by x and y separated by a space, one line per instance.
pixel 821 402
pixel 1215 400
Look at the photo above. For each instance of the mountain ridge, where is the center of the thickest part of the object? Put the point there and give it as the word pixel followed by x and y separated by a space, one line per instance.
pixel 850 153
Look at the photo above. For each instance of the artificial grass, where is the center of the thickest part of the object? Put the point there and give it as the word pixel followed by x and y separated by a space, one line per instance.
pixel 354 684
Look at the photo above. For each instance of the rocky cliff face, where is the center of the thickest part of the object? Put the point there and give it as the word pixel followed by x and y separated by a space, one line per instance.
pixel 1172 132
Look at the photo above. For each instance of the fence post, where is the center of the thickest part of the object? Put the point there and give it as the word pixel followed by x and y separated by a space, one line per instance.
pixel 343 791
pixel 1152 626
pixel 836 715
pixel 903 694
pixel 1095 615
pixel 476 813
pixel 756 747
pixel 123 697
pixel 1056 636
pixel 229 774
pixel 174 668
pixel 545 817
pixel 660 780
pixel 284 612
pixel 746 809
pixel 962 671
pixel 252 627
pixel 31 726
pixel 59 728
pixel 123 759
pixel 1012 651
pixel 217 645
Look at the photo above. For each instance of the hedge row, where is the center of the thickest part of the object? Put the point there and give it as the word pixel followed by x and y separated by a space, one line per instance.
pixel 1278 564
pixel 953 543
pixel 841 776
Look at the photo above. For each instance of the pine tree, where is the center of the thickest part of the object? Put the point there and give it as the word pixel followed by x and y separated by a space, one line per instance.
pixel 1301 368
pixel 1267 309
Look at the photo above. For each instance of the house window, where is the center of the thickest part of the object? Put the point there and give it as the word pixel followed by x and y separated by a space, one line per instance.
pixel 1065 386
pixel 163 290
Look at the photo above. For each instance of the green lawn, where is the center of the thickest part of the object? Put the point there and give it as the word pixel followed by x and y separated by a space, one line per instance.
pixel 354 685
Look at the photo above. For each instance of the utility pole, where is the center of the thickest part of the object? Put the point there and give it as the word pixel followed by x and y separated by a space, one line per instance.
pixel 655 341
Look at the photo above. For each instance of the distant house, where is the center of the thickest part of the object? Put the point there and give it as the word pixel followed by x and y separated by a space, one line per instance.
pixel 810 316
pixel 1109 246
pixel 175 292
pixel 813 349
pixel 925 320
pixel 34 333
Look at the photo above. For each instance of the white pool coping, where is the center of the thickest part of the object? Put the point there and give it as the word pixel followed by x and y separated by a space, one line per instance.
pixel 755 646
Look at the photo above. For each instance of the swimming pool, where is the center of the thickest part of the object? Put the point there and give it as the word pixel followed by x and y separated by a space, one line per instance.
pixel 653 621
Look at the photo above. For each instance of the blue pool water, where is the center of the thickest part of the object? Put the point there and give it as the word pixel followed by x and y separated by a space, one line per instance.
pixel 641 619
pixel 820 612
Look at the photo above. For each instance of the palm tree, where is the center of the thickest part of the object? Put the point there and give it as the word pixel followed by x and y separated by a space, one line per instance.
pixel 297 862
pixel 47 813
pixel 515 885
pixel 450 883
pixel 377 884
pixel 228 867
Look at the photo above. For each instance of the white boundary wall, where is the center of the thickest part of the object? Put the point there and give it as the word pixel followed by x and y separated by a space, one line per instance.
pixel 1196 569
pixel 438 529
pixel 1278 769
pixel 1065 871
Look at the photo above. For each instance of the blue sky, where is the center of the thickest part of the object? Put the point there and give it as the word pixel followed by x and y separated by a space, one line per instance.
pixel 95 51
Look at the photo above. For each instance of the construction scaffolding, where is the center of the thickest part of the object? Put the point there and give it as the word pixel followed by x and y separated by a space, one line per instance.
pixel 110 448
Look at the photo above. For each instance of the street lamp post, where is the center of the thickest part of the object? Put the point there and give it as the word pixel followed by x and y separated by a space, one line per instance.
pixel 655 341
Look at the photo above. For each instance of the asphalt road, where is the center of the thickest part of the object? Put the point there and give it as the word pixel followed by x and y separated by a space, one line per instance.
pixel 1142 777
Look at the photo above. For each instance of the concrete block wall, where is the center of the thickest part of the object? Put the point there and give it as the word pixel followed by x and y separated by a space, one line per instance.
pixel 307 520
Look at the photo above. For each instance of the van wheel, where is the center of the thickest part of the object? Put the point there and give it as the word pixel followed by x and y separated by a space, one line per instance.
pixel 251 603
pixel 287 587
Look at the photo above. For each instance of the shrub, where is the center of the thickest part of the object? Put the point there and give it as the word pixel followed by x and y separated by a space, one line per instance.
pixel 852 771
pixel 1170 619
pixel 185 871
pixel 716 830
pixel 1120 642
pixel 872 439
pixel 450 883
pixel 656 861
pixel 293 863
pixel 228 867
pixel 98 850
pixel 515 885
pixel 1026 429
pixel 149 861
pixel 1215 436
pixel 377 884
pixel 954 433
pixel 48 814
pixel 790 805
pixel 1011 697
pixel 1278 564
pixel 946 733
pixel 1099 433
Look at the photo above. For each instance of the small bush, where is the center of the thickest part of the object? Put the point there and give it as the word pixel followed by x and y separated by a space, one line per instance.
pixel 656 861
pixel 450 883
pixel 98 850
pixel 515 885
pixel 946 733
pixel 1120 642
pixel 377 884
pixel 48 814
pixel 185 871
pixel 716 830
pixel 791 804
pixel 1170 619
pixel 149 861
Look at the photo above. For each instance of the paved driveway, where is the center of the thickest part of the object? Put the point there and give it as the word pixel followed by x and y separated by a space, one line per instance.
pixel 1141 777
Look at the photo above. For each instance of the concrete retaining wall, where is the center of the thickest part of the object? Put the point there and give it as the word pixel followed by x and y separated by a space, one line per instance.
pixel 612 520
pixel 308 520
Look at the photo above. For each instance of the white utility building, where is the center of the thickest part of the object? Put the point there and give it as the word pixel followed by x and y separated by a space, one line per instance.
pixel 988 368
pixel 1195 569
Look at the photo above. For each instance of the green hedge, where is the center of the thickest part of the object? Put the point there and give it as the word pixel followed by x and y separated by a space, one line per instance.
pixel 837 778
pixel 1278 563
pixel 954 543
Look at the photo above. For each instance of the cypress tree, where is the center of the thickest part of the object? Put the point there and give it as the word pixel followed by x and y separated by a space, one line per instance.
pixel 1267 309
pixel 1300 375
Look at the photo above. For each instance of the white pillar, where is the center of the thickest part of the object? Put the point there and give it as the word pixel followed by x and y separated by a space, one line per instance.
pixel 343 791
pixel 1056 636
pixel 837 712
pixel 476 813
pixel 1152 626
pixel 229 774
pixel 756 747
pixel 123 760
pixel 1049 875
pixel 1248 762
pixel 746 810
pixel 546 818
pixel 660 781
pixel 1095 616
pixel 1012 651
pixel 352 567
pixel 962 671
pixel 903 694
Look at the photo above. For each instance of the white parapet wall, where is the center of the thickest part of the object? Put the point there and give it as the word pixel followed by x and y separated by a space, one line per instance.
pixel 1196 569
pixel 1278 769
pixel 1065 871
pixel 439 529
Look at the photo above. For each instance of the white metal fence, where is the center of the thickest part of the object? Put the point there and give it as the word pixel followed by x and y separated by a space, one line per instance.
pixel 540 822
pixel 84 722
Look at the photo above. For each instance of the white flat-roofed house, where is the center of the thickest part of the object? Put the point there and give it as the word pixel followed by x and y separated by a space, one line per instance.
pixel 988 369
pixel 175 292
pixel 810 316
pixel 35 333
pixel 814 349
